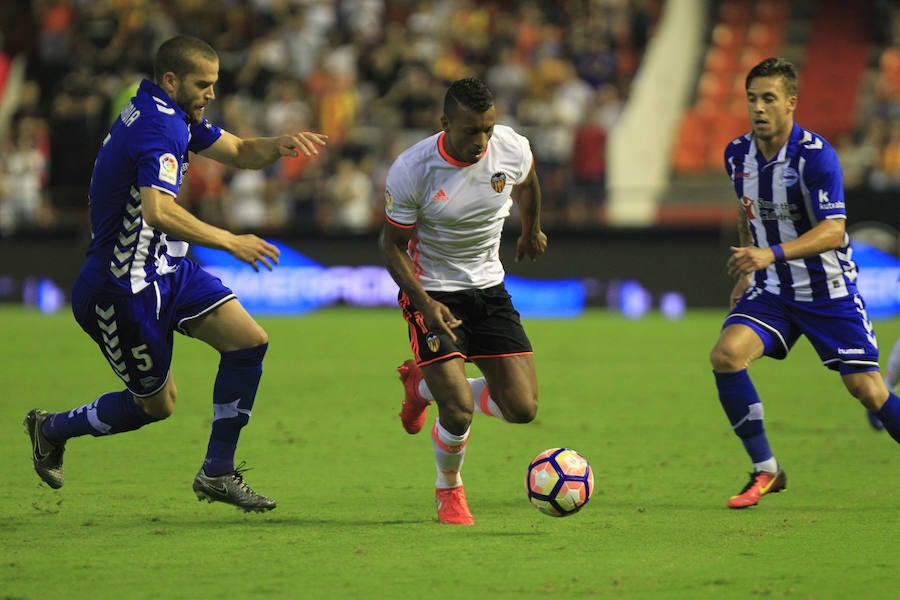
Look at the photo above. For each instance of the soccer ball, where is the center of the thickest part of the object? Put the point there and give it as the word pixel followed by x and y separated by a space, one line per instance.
pixel 559 482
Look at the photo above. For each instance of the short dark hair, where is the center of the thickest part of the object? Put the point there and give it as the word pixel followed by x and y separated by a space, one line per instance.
pixel 177 55
pixel 775 67
pixel 469 93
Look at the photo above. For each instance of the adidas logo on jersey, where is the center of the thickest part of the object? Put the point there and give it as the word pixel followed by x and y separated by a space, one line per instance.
pixel 440 196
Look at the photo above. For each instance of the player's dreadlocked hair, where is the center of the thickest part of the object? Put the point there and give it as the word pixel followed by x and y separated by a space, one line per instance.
pixel 775 67
pixel 178 54
pixel 470 94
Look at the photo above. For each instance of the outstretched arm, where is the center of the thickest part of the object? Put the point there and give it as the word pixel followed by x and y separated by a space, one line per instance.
pixel 161 212
pixel 258 153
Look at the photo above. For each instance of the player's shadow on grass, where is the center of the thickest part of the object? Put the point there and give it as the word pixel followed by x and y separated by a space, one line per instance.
pixel 241 520
pixel 300 521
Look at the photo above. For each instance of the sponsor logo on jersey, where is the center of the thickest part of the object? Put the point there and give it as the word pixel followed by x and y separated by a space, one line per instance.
pixel 741 170
pixel 168 169
pixel 440 196
pixel 388 202
pixel 825 202
pixel 433 341
pixel 747 203
pixel 769 210
pixel 498 182
pixel 845 351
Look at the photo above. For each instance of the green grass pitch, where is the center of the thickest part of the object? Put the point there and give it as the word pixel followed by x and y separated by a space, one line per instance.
pixel 356 518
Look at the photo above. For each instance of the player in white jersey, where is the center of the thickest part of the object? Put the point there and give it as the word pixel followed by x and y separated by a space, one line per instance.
pixel 446 200
pixel 137 286
pixel 794 270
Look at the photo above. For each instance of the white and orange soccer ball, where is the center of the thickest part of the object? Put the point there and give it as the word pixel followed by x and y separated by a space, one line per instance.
pixel 559 482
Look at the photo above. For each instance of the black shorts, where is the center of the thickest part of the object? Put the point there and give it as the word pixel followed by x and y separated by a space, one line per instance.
pixel 491 327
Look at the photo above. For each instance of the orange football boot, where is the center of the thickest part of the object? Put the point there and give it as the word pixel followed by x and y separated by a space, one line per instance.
pixel 760 484
pixel 412 411
pixel 452 506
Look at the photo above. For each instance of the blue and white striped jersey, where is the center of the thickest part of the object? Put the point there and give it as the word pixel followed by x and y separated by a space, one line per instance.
pixel 147 145
pixel 783 199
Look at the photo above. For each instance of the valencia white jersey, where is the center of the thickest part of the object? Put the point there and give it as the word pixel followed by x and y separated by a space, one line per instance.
pixel 457 209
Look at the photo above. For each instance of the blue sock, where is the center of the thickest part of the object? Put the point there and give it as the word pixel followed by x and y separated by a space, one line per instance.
pixel 745 412
pixel 890 415
pixel 115 412
pixel 233 396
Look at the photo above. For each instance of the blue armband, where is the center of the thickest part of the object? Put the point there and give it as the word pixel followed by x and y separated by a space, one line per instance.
pixel 778 251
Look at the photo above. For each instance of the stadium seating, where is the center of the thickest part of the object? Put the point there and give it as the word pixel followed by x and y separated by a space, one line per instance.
pixel 744 33
pixel 747 31
pixel 837 53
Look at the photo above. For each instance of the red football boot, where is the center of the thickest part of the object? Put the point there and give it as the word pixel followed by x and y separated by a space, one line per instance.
pixel 412 411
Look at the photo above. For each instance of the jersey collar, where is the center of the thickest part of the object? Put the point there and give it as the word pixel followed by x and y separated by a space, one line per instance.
pixel 792 147
pixel 788 151
pixel 161 98
pixel 446 155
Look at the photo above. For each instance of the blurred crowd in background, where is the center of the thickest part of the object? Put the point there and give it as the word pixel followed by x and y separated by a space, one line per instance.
pixel 369 73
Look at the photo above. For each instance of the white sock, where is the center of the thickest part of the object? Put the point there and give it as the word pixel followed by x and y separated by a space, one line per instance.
pixel 449 453
pixel 484 404
pixel 769 466
pixel 424 391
